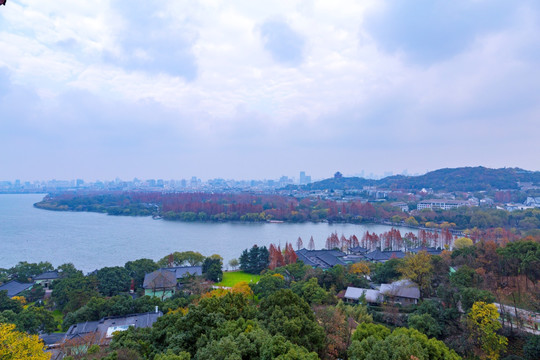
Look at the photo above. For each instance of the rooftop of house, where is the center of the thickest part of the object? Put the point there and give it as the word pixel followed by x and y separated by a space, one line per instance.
pixel 160 279
pixel 324 259
pixel 14 287
pixel 49 275
pixel 429 250
pixel 181 271
pixel 354 293
pixel 378 255
pixel 103 329
pixel 358 250
pixel 402 288
pixel 52 339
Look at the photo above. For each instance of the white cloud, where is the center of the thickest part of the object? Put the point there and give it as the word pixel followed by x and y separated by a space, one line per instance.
pixel 202 69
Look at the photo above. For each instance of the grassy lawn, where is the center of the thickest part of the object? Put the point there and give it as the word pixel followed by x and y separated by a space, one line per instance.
pixel 232 277
pixel 57 314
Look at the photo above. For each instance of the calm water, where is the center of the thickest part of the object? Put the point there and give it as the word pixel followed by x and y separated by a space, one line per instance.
pixel 91 241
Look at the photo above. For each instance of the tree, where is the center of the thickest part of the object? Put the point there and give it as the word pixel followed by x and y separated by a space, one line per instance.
pixel 311 245
pixel 6 303
pixel 233 263
pixel 184 355
pixel 311 292
pixel 462 243
pixel 113 280
pixel 411 221
pixel 15 345
pixel 299 243
pixel 401 344
pixel 289 255
pixel 426 324
pixel 72 292
pixel 268 284
pixel 24 271
pixel 387 272
pixel 418 268
pixel 68 269
pixel 360 268
pixel 35 319
pixel 531 349
pixel 254 260
pixel 483 322
pixel 465 277
pixel 212 268
pixel 137 269
pixel 334 323
pixel 285 313
pixel 471 295
pixel 191 258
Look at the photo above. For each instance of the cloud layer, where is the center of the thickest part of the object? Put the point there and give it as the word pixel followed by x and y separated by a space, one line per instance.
pixel 113 88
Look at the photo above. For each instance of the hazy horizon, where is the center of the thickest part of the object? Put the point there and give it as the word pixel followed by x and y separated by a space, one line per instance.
pixel 244 90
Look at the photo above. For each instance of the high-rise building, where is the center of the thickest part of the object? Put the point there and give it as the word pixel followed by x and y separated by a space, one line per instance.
pixel 304 179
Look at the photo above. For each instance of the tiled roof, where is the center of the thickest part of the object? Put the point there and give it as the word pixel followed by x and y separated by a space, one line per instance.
pixel 358 249
pixel 429 250
pixel 47 275
pixel 379 255
pixel 160 279
pixel 401 288
pixel 14 287
pixel 181 271
pixel 371 295
pixel 103 329
pixel 324 259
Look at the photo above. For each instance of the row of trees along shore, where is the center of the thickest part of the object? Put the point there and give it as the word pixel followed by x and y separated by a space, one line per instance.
pixel 256 208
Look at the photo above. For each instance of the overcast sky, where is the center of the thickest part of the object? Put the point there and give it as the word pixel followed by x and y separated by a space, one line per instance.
pixel 257 89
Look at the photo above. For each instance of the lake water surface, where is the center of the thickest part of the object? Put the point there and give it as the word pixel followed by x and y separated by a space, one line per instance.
pixel 91 241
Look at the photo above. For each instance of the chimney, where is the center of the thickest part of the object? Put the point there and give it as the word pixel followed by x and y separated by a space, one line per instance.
pixel 157 309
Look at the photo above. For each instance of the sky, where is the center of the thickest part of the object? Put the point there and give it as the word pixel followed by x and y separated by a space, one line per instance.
pixel 258 89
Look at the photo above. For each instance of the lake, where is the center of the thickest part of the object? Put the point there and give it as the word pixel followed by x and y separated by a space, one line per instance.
pixel 91 241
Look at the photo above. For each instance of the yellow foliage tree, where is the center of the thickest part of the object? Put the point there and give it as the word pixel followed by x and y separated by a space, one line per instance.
pixel 15 345
pixel 20 299
pixel 483 322
pixel 462 242
pixel 360 268
pixel 418 268
pixel 242 288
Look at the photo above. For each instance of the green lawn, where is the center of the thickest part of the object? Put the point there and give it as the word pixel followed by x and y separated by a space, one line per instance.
pixel 233 277
pixel 58 316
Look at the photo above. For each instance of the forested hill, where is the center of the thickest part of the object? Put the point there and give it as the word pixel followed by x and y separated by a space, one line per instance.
pixel 457 179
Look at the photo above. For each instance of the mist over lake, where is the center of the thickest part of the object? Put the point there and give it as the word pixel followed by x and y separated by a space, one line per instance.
pixel 91 241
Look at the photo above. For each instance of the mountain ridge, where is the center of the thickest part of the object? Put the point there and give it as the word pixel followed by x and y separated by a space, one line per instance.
pixel 450 179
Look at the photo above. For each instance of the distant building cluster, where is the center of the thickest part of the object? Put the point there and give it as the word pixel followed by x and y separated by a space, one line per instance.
pixel 441 204
pixel 193 184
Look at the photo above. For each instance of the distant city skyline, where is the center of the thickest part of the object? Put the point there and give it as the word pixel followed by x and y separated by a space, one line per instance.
pixel 109 88
pixel 289 177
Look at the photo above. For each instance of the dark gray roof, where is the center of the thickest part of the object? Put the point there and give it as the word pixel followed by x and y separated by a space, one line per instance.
pixel 181 271
pixel 379 255
pixel 358 250
pixel 14 287
pixel 49 275
pixel 103 329
pixel 324 259
pixel 305 259
pixel 160 279
pixel 79 329
pixel 52 339
pixel 330 259
pixel 402 288
pixel 429 250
